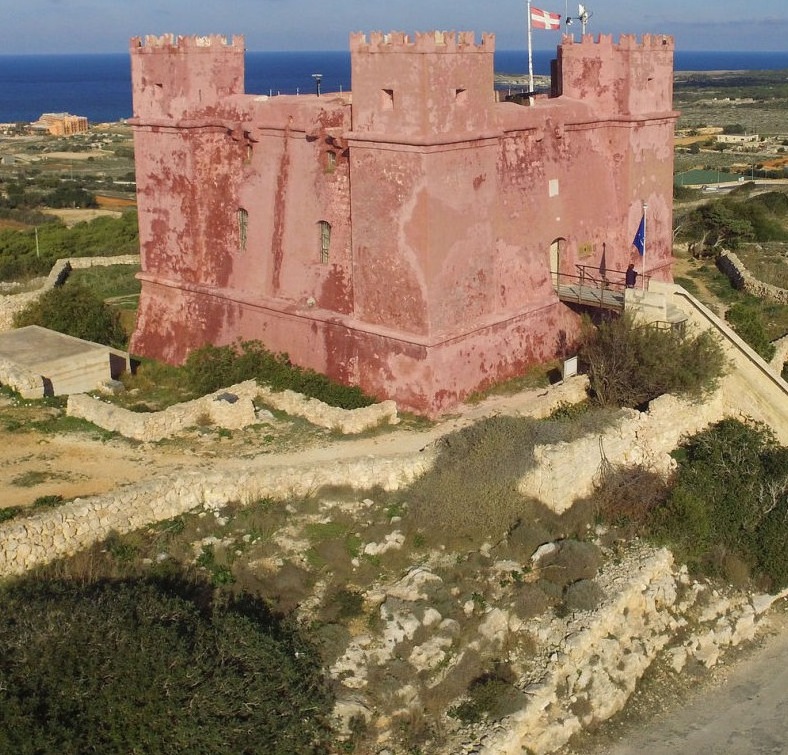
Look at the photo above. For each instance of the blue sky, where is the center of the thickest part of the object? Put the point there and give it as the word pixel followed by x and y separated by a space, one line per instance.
pixel 72 26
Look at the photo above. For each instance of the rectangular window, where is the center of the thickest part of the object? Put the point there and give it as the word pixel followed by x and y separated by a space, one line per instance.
pixel 243 224
pixel 325 240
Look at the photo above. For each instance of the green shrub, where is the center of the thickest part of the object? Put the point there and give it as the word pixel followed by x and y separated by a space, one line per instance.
pixel 748 323
pixel 730 490
pixel 76 311
pixel 140 666
pixel 583 595
pixel 490 696
pixel 212 367
pixel 629 364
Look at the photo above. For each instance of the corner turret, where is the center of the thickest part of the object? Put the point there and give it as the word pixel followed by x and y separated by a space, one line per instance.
pixel 628 78
pixel 175 75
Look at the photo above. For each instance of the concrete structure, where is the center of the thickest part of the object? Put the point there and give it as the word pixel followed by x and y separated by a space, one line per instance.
pixel 63 124
pixel 39 362
pixel 409 237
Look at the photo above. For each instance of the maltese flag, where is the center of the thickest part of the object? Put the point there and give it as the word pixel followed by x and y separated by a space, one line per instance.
pixel 542 19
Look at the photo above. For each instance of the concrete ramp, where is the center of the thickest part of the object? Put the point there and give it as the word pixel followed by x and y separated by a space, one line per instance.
pixel 39 362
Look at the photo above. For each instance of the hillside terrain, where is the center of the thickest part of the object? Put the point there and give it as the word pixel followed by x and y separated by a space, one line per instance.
pixel 435 626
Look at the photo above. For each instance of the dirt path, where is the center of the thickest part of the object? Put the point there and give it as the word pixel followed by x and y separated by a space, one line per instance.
pixel 35 463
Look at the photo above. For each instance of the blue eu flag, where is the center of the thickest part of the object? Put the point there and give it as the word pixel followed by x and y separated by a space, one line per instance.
pixel 640 237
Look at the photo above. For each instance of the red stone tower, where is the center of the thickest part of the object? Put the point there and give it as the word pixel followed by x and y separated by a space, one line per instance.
pixel 406 238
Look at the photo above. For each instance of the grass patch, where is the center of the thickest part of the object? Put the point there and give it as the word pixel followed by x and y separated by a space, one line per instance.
pixel 470 495
pixel 110 281
pixel 536 376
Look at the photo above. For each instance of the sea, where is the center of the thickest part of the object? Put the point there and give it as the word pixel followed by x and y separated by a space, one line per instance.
pixel 99 86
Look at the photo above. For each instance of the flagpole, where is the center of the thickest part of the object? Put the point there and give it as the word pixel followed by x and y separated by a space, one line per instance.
pixel 643 270
pixel 530 55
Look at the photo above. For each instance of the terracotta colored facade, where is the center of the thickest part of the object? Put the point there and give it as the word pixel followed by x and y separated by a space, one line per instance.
pixel 405 237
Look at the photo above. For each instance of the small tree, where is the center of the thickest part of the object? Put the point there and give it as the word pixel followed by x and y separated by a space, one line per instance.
pixel 628 364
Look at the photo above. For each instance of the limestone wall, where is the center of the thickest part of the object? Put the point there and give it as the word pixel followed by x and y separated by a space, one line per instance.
pixel 231 408
pixel 52 534
pixel 26 382
pixel 742 279
pixel 10 304
pixel 589 664
pixel 567 471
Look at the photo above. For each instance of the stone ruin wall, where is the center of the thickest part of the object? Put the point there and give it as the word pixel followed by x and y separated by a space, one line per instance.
pixel 230 408
pixel 744 280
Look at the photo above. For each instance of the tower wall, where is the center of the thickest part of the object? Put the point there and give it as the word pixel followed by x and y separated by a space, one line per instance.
pixel 433 85
pixel 447 210
pixel 628 78
pixel 175 75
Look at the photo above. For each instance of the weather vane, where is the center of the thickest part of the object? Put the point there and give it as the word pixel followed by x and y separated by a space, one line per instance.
pixel 583 14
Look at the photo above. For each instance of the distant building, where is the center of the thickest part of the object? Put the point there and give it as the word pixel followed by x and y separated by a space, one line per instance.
pixel 737 138
pixel 62 124
pixel 407 237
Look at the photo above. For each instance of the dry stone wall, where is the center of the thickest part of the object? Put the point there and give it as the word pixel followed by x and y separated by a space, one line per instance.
pixel 589 664
pixel 564 472
pixel 742 279
pixel 49 535
pixel 231 408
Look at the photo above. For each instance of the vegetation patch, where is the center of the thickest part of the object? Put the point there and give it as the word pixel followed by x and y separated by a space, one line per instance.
pixel 30 253
pixel 630 364
pixel 212 367
pixel 154 666
pixel 470 494
pixel 77 311
pixel 724 512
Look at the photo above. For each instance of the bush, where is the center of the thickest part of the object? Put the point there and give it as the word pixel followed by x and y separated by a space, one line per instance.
pixel 470 494
pixel 212 367
pixel 730 490
pixel 749 325
pixel 630 364
pixel 490 696
pixel 76 311
pixel 140 666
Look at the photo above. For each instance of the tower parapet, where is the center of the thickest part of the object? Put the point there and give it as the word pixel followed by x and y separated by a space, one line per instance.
pixel 433 41
pixel 174 75
pixel 434 84
pixel 628 78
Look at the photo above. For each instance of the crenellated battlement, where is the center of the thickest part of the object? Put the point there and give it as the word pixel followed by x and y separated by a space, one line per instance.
pixel 169 42
pixel 650 42
pixel 421 42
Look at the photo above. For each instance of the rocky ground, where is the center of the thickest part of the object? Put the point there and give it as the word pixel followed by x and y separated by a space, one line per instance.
pixel 424 627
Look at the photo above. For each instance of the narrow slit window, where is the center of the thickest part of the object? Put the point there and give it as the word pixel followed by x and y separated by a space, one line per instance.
pixel 243 226
pixel 461 96
pixel 325 240
pixel 387 99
